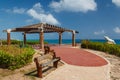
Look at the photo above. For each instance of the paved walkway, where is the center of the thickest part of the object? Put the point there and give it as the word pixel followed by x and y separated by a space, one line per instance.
pixel 70 72
pixel 80 65
pixel 79 57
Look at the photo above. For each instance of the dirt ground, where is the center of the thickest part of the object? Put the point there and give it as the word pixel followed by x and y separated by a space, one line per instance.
pixel 27 72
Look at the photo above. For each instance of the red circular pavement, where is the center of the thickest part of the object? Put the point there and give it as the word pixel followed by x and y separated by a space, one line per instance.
pixel 78 57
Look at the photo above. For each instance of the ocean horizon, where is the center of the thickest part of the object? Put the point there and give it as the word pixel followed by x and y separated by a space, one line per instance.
pixel 69 41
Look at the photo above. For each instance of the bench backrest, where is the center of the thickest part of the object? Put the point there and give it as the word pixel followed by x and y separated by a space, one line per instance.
pixel 51 55
pixel 47 56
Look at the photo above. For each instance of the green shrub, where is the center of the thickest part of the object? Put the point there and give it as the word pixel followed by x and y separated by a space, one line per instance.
pixel 85 43
pixel 4 42
pixel 13 57
pixel 32 42
pixel 29 42
pixel 109 48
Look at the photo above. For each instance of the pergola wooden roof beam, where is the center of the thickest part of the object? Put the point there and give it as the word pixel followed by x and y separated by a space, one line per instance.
pixel 46 28
pixel 41 28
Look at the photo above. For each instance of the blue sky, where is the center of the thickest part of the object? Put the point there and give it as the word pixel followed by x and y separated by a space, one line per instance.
pixel 92 18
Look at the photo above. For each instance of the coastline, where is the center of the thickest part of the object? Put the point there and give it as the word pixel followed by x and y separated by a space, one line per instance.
pixel 69 41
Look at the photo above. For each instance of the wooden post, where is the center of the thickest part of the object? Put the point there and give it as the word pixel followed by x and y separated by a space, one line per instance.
pixel 73 38
pixel 55 64
pixel 60 38
pixel 41 38
pixel 39 68
pixel 24 34
pixel 8 37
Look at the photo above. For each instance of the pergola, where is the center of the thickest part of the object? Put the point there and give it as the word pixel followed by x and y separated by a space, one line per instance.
pixel 41 28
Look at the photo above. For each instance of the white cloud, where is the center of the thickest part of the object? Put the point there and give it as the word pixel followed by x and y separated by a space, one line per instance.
pixel 7 10
pixel 116 2
pixel 29 20
pixel 99 32
pixel 15 10
pixel 117 30
pixel 38 13
pixel 74 5
pixel 18 10
pixel 38 8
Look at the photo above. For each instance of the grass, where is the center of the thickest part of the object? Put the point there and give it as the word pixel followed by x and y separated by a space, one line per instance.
pixel 13 57
pixel 12 49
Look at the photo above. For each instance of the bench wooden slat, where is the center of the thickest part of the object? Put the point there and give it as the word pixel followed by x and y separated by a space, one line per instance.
pixel 44 57
pixel 49 62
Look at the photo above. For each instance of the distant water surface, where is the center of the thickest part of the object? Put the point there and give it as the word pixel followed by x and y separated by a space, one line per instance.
pixel 69 41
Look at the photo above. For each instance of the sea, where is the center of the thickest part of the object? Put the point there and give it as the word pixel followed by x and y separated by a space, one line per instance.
pixel 69 41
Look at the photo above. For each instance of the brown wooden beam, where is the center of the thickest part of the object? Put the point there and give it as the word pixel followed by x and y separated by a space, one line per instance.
pixel 47 28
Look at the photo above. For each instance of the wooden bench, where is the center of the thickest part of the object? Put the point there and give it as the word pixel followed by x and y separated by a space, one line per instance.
pixel 46 49
pixel 45 61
